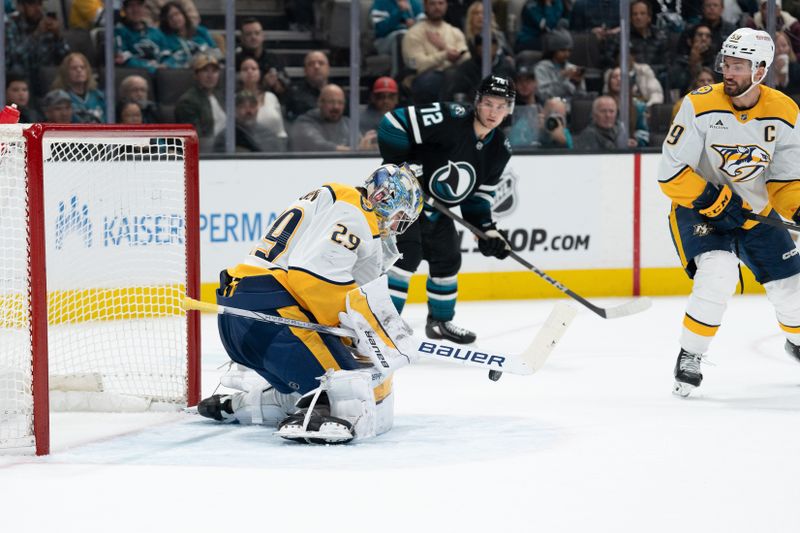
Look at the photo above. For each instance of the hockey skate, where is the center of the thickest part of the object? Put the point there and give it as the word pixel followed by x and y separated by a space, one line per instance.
pixel 316 426
pixel 687 373
pixel 439 329
pixel 218 407
pixel 793 350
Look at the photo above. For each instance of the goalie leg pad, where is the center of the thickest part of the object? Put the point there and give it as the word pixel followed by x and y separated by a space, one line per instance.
pixel 343 408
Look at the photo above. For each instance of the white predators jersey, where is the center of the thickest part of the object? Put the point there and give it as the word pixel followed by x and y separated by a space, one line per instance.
pixel 323 245
pixel 754 151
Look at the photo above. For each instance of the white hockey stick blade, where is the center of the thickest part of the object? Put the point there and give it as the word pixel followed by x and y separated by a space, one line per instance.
pixel 629 308
pixel 550 333
pixel 524 364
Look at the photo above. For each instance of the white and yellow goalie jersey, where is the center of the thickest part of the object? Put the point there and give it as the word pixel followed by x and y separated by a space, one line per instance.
pixel 322 246
pixel 755 151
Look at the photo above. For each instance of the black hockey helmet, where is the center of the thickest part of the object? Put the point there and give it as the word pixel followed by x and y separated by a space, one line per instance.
pixel 497 86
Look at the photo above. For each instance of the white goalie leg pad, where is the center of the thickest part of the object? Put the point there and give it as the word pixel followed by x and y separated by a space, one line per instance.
pixel 242 378
pixel 352 398
pixel 382 335
pixel 784 294
pixel 714 284
pixel 266 406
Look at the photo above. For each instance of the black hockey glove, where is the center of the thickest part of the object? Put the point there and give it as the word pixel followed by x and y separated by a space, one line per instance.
pixel 495 245
pixel 721 207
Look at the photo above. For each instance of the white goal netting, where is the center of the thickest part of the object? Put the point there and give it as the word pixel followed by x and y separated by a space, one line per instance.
pixel 115 241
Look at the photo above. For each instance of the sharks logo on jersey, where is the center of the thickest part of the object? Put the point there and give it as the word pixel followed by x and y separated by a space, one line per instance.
pixel 742 163
pixel 453 182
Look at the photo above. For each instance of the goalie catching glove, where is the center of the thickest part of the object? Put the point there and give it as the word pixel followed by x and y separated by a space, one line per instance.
pixel 381 335
pixel 494 245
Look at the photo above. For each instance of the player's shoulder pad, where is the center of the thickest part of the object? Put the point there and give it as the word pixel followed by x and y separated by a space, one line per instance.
pixel 456 110
pixel 352 196
pixel 775 104
pixel 709 98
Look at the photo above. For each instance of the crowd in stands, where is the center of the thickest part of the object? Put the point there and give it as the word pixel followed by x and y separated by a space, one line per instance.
pixel 563 55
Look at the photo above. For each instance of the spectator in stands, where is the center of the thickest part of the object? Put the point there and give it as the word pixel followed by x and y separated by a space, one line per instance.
pixel 392 19
pixel 268 112
pixel 382 99
pixel 555 75
pixel 553 127
pixel 129 112
pixel 154 7
pixel 300 14
pixel 459 83
pixel 712 18
pixel 18 92
pixel 648 44
pixel 703 78
pixel 701 54
pixel 76 78
pixel 85 14
pixel 325 128
pixel 785 66
pixel 601 17
pixel 273 68
pixel 637 108
pixel 303 95
pixel 473 25
pixel 250 135
pixel 431 46
pixel 783 22
pixel 33 41
pixel 139 45
pixel 644 84
pixel 537 18
pixel 183 39
pixel 199 105
pixel 605 132
pixel 135 88
pixel 57 107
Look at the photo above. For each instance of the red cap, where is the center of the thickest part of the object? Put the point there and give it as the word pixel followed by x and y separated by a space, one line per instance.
pixel 384 84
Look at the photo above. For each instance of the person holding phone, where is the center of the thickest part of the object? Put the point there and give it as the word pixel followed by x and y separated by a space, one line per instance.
pixel 556 76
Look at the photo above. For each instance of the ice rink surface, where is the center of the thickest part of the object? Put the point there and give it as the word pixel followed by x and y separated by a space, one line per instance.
pixel 594 442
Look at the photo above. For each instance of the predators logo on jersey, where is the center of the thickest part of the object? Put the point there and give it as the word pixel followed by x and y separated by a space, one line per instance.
pixel 742 163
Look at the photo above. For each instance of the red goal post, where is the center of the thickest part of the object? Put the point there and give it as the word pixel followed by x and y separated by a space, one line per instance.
pixel 99 241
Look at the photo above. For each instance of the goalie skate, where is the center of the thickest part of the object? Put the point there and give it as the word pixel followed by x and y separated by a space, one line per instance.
pixel 319 429
pixel 217 407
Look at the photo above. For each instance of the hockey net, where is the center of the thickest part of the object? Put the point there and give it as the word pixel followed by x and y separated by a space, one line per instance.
pixel 98 245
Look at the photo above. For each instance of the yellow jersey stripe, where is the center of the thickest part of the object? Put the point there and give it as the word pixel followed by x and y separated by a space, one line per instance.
pixel 785 197
pixel 676 235
pixel 323 298
pixel 350 195
pixel 684 187
pixel 695 326
pixel 789 329
pixel 310 338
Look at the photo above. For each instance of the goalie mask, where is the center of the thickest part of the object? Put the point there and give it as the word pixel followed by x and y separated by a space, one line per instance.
pixel 396 197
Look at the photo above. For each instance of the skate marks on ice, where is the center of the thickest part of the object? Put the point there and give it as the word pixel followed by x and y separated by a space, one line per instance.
pixel 416 441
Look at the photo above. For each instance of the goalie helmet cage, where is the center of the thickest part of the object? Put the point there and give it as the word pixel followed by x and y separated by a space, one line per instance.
pixel 99 242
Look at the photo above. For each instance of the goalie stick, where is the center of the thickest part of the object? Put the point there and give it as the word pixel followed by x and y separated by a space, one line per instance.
pixel 777 222
pixel 628 308
pixel 525 363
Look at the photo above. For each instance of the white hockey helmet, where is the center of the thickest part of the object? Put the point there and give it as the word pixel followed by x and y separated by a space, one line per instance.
pixel 746 43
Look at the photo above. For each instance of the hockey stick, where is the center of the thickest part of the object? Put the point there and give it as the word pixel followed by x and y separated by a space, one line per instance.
pixel 525 363
pixel 628 308
pixel 777 222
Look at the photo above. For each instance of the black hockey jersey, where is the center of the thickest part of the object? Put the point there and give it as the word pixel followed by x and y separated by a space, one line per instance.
pixel 457 168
